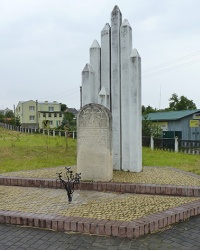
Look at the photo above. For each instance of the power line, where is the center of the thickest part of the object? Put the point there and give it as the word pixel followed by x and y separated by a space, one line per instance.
pixel 69 93
pixel 172 61
pixel 75 90
pixel 172 68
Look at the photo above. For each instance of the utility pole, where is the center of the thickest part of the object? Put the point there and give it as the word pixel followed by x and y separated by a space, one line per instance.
pixel 36 110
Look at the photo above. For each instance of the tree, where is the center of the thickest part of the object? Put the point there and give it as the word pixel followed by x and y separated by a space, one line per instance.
pixel 150 129
pixel 147 110
pixel 63 107
pixel 1 117
pixel 182 103
pixel 17 121
pixel 9 114
pixel 69 121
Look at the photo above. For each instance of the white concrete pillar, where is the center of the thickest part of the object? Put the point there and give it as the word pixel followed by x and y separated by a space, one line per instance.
pixel 176 144
pixel 105 62
pixel 126 48
pixel 135 130
pixel 59 133
pixel 104 97
pixel 53 132
pixel 152 143
pixel 116 20
pixel 95 62
pixel 87 85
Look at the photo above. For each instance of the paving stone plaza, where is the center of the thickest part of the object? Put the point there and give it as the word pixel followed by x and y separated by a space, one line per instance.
pixel 35 217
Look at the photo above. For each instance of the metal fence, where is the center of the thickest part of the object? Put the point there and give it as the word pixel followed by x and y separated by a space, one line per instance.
pixel 50 132
pixel 146 141
pixel 164 143
pixel 172 144
pixel 189 146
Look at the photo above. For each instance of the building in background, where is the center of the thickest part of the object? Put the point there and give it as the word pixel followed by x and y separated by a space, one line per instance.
pixel 32 114
pixel 4 111
pixel 184 124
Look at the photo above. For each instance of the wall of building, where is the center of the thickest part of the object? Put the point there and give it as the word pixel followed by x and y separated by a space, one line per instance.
pixel 183 125
pixel 32 114
pixel 54 118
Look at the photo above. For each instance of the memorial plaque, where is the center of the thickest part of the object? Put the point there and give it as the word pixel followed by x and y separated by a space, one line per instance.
pixel 94 143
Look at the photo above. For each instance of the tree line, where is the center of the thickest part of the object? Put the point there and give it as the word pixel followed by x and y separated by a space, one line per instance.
pixel 175 104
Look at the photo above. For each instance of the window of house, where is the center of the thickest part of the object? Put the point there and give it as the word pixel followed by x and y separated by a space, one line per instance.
pixel 51 109
pixel 31 108
pixel 44 114
pixel 49 114
pixel 31 117
pixel 60 115
pixel 51 123
pixel 55 114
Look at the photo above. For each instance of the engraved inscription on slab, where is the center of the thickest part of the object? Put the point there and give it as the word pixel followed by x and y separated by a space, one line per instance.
pixel 94 158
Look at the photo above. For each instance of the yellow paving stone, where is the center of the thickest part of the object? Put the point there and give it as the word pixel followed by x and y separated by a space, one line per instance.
pixel 153 175
pixel 89 204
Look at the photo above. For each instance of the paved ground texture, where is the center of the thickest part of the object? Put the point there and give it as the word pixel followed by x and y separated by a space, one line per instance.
pixel 122 208
pixel 182 236
pixel 154 175
pixel 89 204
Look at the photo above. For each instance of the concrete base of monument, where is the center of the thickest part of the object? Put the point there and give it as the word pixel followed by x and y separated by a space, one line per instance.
pixel 120 209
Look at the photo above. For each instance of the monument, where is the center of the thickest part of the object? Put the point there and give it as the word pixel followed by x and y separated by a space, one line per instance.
pixel 94 140
pixel 113 79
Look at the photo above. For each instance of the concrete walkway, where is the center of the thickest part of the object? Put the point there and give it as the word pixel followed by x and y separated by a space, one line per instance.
pixel 182 236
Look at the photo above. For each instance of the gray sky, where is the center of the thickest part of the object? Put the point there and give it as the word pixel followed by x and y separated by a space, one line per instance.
pixel 44 46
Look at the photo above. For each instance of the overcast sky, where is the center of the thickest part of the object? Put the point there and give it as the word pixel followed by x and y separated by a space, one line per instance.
pixel 44 46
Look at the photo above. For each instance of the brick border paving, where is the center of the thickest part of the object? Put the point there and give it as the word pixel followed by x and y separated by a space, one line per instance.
pixel 153 189
pixel 133 229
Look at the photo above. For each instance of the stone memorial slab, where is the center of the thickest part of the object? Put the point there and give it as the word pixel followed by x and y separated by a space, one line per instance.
pixel 94 143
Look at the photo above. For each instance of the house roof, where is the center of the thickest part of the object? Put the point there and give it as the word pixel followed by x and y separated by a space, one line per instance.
pixel 45 102
pixel 72 110
pixel 171 115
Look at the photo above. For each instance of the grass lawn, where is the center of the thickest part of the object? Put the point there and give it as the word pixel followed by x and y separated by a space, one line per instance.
pixel 19 151
pixel 160 158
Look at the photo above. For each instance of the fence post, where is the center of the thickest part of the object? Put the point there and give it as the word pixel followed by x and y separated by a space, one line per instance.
pixel 176 144
pixel 53 132
pixel 152 143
